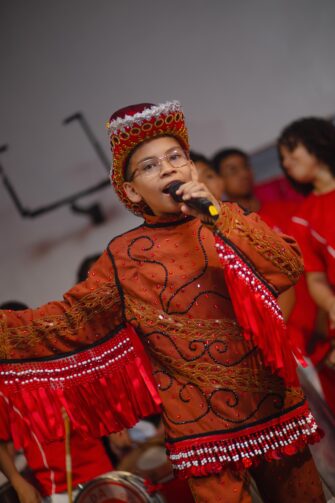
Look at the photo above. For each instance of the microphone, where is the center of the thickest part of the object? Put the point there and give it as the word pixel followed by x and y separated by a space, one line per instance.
pixel 201 204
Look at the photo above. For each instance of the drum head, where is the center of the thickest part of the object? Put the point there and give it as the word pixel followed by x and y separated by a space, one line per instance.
pixel 116 487
pixel 148 461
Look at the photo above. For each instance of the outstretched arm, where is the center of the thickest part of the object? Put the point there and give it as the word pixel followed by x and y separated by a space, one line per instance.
pixel 88 312
pixel 79 354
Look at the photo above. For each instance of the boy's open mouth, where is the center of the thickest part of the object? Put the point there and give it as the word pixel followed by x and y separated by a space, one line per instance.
pixel 166 189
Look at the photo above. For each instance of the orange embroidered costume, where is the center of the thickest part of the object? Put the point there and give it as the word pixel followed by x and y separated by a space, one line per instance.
pixel 174 312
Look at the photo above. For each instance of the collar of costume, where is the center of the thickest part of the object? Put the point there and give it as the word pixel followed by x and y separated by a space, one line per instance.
pixel 133 125
pixel 166 220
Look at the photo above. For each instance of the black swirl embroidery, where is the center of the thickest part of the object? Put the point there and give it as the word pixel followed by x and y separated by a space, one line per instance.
pixel 204 292
pixel 278 403
pixel 156 262
pixel 191 346
pixel 199 347
pixel 167 308
pixel 196 278
pixel 156 373
pixel 187 400
pixel 224 349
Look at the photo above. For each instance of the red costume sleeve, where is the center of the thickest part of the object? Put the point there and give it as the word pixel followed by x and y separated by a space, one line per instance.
pixel 88 312
pixel 258 264
pixel 78 354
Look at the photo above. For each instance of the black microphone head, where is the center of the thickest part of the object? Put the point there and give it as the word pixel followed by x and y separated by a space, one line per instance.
pixel 172 189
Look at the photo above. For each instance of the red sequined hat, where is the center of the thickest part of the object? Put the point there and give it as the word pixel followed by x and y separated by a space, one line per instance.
pixel 131 126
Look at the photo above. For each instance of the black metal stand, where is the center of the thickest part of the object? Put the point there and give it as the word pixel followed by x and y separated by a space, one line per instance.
pixel 94 211
pixel 78 116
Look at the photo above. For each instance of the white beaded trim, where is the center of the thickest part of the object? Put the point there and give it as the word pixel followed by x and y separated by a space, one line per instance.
pixel 233 261
pixel 31 372
pixel 248 448
pixel 69 367
pixel 120 124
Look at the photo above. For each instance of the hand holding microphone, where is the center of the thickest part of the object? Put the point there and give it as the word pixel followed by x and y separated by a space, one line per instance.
pixel 194 196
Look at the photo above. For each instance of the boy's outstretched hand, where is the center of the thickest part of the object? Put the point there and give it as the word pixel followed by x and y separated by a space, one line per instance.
pixel 195 189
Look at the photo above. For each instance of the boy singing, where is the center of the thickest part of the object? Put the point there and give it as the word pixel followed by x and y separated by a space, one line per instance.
pixel 198 291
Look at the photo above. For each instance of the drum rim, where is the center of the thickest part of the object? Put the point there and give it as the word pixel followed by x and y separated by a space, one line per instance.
pixel 118 475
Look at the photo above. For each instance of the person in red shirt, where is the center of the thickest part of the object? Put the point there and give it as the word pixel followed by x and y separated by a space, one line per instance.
pixel 47 465
pixel 307 153
pixel 46 461
pixel 304 318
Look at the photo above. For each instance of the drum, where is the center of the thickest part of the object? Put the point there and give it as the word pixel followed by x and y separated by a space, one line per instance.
pixel 150 462
pixel 116 487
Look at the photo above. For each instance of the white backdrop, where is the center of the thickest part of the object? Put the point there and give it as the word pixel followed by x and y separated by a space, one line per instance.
pixel 242 70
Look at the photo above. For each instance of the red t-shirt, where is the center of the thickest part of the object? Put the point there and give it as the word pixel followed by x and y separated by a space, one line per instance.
pixel 301 323
pixel 47 462
pixel 314 229
pixel 278 214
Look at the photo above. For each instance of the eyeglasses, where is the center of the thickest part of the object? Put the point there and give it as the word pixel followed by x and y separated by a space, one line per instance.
pixel 151 166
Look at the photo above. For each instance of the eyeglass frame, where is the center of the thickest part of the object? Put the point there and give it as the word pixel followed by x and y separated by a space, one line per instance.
pixel 162 158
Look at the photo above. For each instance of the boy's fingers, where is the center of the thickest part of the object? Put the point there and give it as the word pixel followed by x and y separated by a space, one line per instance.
pixel 189 187
pixel 185 188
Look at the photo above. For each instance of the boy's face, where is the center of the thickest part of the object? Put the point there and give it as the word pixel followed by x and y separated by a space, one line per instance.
pixel 148 184
pixel 237 177
pixel 208 176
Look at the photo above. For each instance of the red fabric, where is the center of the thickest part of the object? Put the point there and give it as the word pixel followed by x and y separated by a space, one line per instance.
pixel 5 430
pixel 313 227
pixel 301 323
pixel 130 110
pixel 278 214
pixel 260 317
pixel 47 462
pixel 315 213
pixel 244 449
pixel 104 389
pixel 276 190
pixel 315 232
pixel 177 490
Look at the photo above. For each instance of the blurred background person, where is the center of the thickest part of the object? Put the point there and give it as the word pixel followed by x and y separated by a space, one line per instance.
pixel 307 153
pixel 207 174
pixel 233 166
pixel 46 479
